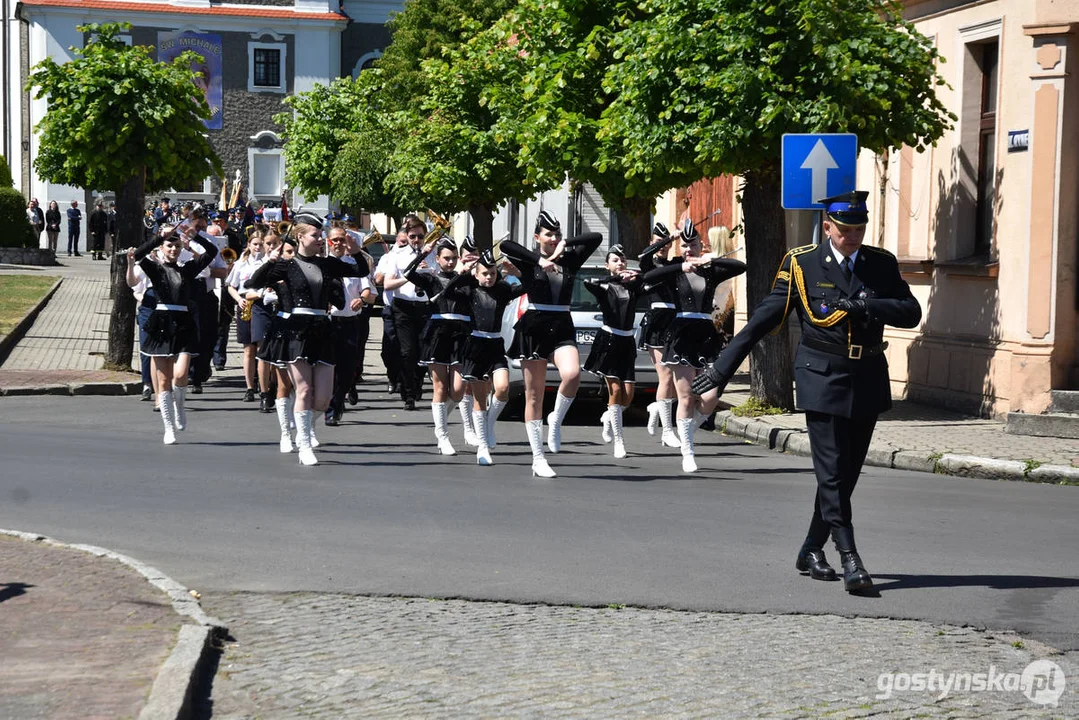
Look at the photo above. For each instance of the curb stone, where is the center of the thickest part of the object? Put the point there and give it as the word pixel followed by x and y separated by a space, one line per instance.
pixel 75 389
pixel 9 341
pixel 796 442
pixel 171 693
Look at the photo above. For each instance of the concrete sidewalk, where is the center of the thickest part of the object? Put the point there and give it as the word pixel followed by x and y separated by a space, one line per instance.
pixel 86 633
pixel 63 354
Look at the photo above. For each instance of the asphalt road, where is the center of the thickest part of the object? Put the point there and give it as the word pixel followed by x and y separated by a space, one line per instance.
pixel 383 514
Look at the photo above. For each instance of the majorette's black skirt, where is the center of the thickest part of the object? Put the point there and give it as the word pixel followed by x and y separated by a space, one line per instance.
pixel 654 326
pixel 540 332
pixel 612 356
pixel 274 346
pixel 442 341
pixel 171 332
pixel 299 337
pixel 481 357
pixel 693 342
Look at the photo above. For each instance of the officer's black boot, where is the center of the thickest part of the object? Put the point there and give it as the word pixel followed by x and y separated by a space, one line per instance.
pixel 855 576
pixel 266 402
pixel 812 559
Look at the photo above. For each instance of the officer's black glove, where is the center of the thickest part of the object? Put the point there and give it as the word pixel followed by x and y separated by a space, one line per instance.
pixel 707 380
pixel 855 308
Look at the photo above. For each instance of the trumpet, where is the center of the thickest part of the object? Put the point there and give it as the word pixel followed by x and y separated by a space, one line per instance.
pixel 374 237
pixel 229 255
pixel 283 228
pixel 441 226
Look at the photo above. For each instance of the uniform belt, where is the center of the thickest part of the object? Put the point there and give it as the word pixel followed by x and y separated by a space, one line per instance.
pixel 485 334
pixel 694 316
pixel 662 306
pixel 451 316
pixel 344 314
pixel 616 331
pixel 853 352
pixel 408 301
pixel 283 315
pixel 308 311
pixel 171 308
pixel 549 308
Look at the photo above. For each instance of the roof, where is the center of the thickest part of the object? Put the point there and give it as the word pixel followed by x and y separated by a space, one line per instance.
pixel 245 11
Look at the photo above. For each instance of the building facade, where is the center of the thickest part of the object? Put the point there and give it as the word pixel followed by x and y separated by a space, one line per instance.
pixel 256 53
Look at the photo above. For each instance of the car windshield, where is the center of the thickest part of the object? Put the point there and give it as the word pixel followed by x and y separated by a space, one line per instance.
pixel 584 301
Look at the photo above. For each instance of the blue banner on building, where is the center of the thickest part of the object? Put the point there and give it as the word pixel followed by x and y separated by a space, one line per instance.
pixel 208 45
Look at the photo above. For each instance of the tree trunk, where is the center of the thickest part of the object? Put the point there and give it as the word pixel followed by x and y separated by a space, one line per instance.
pixel 483 219
pixel 771 375
pixel 129 233
pixel 634 225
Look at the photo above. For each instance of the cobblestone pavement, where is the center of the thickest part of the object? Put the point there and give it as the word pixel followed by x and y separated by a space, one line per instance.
pixel 339 656
pixel 80 637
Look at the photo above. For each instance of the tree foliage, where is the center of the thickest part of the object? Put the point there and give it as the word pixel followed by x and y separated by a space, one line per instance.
pixel 15 229
pixel 114 109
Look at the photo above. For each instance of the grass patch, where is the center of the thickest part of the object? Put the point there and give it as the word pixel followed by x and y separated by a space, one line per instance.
pixel 755 408
pixel 18 294
pixel 1030 466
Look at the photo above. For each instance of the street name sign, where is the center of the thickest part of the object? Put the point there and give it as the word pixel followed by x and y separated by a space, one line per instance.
pixel 815 166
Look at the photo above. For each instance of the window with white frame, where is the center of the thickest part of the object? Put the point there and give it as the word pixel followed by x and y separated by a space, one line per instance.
pixel 267 171
pixel 266 67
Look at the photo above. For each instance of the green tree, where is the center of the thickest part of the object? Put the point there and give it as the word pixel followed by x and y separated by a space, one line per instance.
pixel 458 155
pixel 716 84
pixel 119 120
pixel 5 173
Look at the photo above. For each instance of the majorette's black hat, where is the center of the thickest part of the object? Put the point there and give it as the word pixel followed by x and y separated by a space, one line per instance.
pixel 307 218
pixel 617 250
pixel 689 232
pixel 547 221
pixel 660 230
pixel 487 258
pixel 468 245
pixel 847 208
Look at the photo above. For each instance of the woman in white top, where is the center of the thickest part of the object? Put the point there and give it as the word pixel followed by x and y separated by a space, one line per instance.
pixel 242 270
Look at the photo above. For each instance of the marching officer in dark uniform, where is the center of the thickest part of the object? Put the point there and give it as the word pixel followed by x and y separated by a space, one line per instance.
pixel 844 294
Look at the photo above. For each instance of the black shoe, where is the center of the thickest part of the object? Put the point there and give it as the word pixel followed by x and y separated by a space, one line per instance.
pixel 331 420
pixel 813 560
pixel 77 255
pixel 147 394
pixel 196 388
pixel 392 389
pixel 266 403
pixel 249 395
pixel 353 398
pixel 855 576
pixel 219 368
pixel 410 404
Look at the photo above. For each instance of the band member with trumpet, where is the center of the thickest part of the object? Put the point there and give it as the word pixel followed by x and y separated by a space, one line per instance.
pixel 545 332
pixel 308 277
pixel 410 309
pixel 172 334
pixel 227 309
pixel 692 341
pixel 356 294
pixel 391 348
pixel 653 329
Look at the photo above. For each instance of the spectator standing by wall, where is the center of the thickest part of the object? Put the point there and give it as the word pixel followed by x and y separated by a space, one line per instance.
pixel 36 217
pixel 52 224
pixel 74 227
pixel 99 226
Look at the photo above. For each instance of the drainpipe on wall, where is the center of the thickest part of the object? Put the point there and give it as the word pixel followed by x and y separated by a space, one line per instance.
pixel 6 81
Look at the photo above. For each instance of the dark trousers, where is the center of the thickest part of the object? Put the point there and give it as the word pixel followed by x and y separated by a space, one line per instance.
pixel 346 351
pixel 409 319
pixel 224 324
pixel 140 319
pixel 391 349
pixel 206 303
pixel 363 334
pixel 73 238
pixel 839 446
pixel 99 242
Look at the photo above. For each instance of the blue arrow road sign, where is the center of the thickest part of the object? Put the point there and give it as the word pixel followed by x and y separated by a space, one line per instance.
pixel 816 166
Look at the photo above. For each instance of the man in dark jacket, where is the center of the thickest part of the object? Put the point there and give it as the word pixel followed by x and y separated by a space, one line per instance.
pixel 74 228
pixel 99 227
pixel 844 294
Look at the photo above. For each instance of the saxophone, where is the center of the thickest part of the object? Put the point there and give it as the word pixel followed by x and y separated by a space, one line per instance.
pixel 245 314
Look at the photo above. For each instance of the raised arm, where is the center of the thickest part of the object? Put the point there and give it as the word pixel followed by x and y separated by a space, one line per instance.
pixel 268 273
pixel 578 249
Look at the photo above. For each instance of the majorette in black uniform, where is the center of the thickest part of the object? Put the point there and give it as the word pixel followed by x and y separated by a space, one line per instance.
pixel 444 335
pixel 171 328
pixel 662 310
pixel 547 324
pixel 307 333
pixel 274 350
pixel 691 338
pixel 614 351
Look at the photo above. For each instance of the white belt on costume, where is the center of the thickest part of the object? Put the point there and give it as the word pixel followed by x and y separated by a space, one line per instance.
pixel 345 313
pixel 549 308
pixel 451 316
pixel 662 306
pixel 171 308
pixel 616 331
pixel 485 334
pixel 694 316
pixel 308 311
pixel 284 315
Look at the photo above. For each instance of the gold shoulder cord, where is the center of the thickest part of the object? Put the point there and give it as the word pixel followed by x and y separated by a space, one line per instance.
pixel 799 280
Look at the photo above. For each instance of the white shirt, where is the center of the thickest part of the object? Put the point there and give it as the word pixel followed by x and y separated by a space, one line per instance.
pixel 142 285
pixel 401 261
pixel 241 272
pixel 839 256
pixel 386 267
pixel 218 262
pixel 354 287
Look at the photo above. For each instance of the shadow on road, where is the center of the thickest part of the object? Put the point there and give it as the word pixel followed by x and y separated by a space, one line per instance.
pixel 996 582
pixel 12 590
